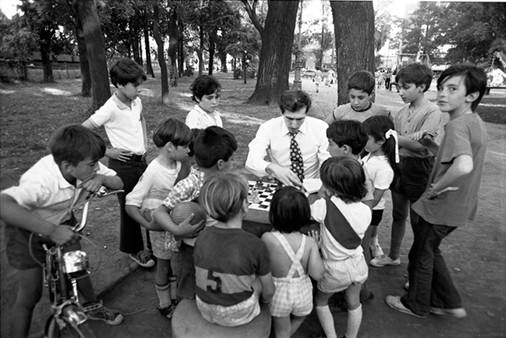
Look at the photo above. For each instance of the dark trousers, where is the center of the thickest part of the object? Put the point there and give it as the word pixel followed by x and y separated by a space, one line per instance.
pixel 430 283
pixel 130 231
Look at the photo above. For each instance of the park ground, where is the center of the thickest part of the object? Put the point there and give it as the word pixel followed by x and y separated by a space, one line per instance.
pixel 475 254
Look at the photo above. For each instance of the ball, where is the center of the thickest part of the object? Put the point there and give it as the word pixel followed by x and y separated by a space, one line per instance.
pixel 183 210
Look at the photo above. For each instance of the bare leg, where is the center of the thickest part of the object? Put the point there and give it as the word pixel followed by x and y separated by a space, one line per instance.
pixel 282 327
pixel 296 322
pixel 29 293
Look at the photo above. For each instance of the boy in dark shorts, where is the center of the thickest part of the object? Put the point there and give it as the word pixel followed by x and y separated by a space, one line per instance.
pixel 38 211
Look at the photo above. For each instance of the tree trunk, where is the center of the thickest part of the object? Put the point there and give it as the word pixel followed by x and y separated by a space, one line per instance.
pixel 223 60
pixel 244 68
pixel 149 66
pixel 45 53
pixel 83 55
pixel 354 34
pixel 161 55
pixel 276 52
pixel 173 46
pixel 212 51
pixel 200 51
pixel 95 48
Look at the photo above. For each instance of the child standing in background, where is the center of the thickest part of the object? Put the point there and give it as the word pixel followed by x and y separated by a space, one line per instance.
pixel 360 92
pixel 172 138
pixel 451 197
pixel 293 256
pixel 125 127
pixel 381 164
pixel 343 220
pixel 416 160
pixel 206 92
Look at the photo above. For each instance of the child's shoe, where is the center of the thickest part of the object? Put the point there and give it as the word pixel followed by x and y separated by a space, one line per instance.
pixel 459 312
pixel 143 259
pixel 168 311
pixel 95 310
pixel 376 250
pixel 383 261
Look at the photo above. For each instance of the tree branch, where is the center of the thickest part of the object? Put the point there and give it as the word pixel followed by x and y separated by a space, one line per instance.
pixel 251 10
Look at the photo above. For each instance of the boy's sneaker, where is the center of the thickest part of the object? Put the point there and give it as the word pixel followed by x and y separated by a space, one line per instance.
pixel 459 312
pixel 395 303
pixel 95 310
pixel 168 311
pixel 143 259
pixel 383 261
pixel 376 250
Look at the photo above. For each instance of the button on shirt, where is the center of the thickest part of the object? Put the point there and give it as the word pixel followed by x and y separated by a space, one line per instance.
pixel 273 139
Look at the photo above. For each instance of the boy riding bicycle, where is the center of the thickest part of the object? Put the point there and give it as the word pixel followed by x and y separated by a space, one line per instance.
pixel 38 209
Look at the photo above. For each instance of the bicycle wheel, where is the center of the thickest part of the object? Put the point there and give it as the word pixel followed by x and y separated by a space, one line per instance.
pixel 68 330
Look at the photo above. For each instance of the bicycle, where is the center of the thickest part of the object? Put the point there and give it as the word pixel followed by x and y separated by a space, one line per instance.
pixel 61 271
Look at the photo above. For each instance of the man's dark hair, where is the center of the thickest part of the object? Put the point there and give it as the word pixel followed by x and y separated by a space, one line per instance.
pixel 292 100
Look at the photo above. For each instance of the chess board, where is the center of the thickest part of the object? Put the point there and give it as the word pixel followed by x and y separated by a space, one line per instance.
pixel 264 197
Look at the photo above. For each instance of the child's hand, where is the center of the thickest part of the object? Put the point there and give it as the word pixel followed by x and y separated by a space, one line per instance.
pixel 93 184
pixel 186 229
pixel 315 234
pixel 118 154
pixel 63 235
pixel 424 137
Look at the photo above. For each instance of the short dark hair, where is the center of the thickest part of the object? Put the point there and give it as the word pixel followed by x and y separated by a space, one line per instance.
pixel 349 132
pixel 75 143
pixel 475 80
pixel 213 144
pixel 362 80
pixel 204 85
pixel 289 210
pixel 294 99
pixel 191 145
pixel 416 73
pixel 344 177
pixel 223 195
pixel 124 71
pixel 172 130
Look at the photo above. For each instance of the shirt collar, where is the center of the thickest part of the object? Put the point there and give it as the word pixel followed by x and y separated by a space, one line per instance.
pixel 119 103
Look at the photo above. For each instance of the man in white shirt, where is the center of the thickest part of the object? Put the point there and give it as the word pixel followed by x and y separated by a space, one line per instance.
pixel 274 138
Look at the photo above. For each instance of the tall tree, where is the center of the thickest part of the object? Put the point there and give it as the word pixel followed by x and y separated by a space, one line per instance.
pixel 354 31
pixel 83 54
pixel 95 47
pixel 276 53
pixel 161 57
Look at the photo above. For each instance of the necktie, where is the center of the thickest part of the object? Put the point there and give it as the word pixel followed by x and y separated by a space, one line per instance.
pixel 297 165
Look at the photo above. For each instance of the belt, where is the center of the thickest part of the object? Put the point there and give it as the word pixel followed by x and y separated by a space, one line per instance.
pixel 137 158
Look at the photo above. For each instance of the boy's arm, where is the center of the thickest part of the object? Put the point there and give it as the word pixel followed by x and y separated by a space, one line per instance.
pixel 426 139
pixel 134 212
pixel 315 264
pixel 110 182
pixel 461 166
pixel 115 154
pixel 268 287
pixel 11 212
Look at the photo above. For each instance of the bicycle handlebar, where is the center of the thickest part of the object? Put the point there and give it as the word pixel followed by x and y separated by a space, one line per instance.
pixel 101 193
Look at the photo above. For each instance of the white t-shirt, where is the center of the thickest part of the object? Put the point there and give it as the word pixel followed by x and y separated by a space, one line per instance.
pixel 200 119
pixel 153 186
pixel 123 125
pixel 357 214
pixel 381 174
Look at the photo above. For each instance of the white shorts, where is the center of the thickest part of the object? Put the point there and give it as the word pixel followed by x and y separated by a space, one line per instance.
pixel 339 275
pixel 292 296
pixel 235 315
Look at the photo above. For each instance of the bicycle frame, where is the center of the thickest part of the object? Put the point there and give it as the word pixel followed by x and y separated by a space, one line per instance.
pixel 61 272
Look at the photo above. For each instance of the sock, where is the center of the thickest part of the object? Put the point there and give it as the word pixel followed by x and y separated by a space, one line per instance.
pixel 354 320
pixel 373 240
pixel 173 287
pixel 163 292
pixel 326 321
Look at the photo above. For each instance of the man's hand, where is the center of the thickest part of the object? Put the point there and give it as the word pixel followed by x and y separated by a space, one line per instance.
pixel 118 154
pixel 285 175
pixel 63 235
